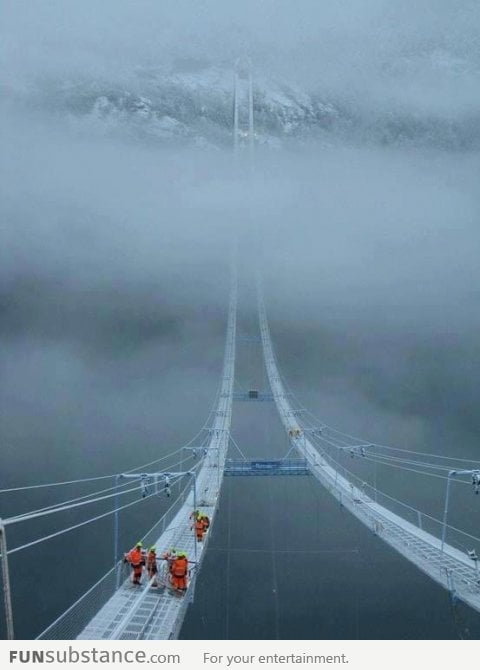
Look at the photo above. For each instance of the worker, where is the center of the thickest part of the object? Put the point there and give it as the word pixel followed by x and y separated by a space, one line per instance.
pixel 206 522
pixel 199 528
pixel 136 558
pixel 152 569
pixel 179 571
pixel 169 554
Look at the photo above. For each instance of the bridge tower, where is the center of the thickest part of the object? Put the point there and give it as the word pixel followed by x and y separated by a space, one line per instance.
pixel 243 130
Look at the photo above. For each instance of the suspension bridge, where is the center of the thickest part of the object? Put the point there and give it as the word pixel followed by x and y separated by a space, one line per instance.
pixel 113 608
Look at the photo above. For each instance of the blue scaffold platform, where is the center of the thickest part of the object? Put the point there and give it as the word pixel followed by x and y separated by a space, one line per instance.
pixel 253 395
pixel 262 468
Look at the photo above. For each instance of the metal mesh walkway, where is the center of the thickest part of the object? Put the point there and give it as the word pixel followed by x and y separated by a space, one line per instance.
pixel 451 568
pixel 133 612
pixel 148 612
pixel 142 612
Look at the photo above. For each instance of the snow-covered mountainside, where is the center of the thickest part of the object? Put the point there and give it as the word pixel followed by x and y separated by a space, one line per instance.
pixel 193 105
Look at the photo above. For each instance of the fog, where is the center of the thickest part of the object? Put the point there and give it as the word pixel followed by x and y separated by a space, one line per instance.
pixel 115 250
pixel 380 52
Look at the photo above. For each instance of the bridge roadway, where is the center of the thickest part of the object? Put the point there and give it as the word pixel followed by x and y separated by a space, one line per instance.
pixel 450 568
pixel 145 612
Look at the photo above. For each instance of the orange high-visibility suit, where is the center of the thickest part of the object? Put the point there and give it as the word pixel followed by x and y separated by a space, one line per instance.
pixel 137 561
pixel 206 523
pixel 152 568
pixel 199 529
pixel 178 571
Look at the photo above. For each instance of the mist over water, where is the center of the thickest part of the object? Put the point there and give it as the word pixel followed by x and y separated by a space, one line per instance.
pixel 119 200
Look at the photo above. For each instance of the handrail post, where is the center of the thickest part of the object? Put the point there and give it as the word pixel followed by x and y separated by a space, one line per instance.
pixel 337 467
pixel 116 522
pixel 194 475
pixel 7 594
pixel 445 510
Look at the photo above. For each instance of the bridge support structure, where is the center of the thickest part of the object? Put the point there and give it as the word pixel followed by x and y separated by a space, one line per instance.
pixel 264 468
pixel 243 131
pixel 7 593
pixel 448 566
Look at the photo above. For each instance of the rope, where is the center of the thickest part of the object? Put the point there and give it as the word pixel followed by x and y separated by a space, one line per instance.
pixel 139 467
pixel 416 453
pixel 276 605
pixel 418 472
pixel 157 523
pixel 386 463
pixel 36 515
pixel 96 518
pixel 357 439
pixel 72 607
pixel 384 460
pixel 66 504
pixel 401 502
pixel 380 458
pixel 244 550
pixel 227 589
pixel 334 463
pixel 41 486
pixel 237 447
pixel 94 479
pixel 78 525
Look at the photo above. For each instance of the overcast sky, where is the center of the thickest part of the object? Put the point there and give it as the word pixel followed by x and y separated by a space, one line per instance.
pixel 424 54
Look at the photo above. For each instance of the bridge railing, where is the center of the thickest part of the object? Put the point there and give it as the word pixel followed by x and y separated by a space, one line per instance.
pixel 459 539
pixel 75 618
pixel 162 527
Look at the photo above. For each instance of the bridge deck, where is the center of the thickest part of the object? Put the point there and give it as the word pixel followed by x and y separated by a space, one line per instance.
pixel 145 612
pixel 451 568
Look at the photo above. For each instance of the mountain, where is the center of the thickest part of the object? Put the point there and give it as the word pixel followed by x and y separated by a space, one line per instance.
pixel 192 103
